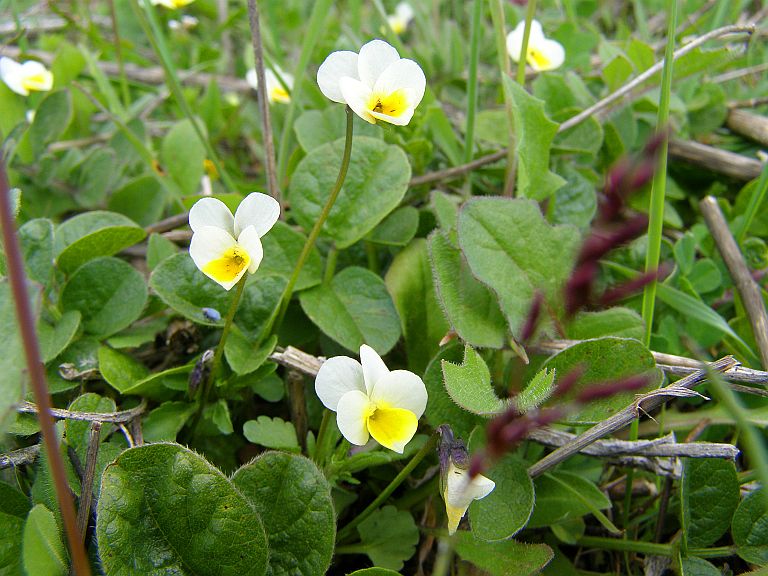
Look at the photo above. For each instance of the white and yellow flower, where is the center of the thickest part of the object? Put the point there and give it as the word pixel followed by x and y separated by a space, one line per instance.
pixel 276 92
pixel 543 53
pixel 223 246
pixel 399 21
pixel 369 400
pixel 24 78
pixel 457 488
pixel 171 4
pixel 376 83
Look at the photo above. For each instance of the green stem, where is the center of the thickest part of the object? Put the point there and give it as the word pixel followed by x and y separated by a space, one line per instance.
pixel 428 447
pixel 755 200
pixel 651 548
pixel 474 57
pixel 119 56
pixel 218 355
pixel 529 12
pixel 148 23
pixel 273 324
pixel 372 256
pixel 322 432
pixel 330 264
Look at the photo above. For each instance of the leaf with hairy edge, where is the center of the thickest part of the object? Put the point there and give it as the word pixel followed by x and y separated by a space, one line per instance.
pixel 43 552
pixel 709 495
pixel 512 249
pixel 164 509
pixel 469 385
pixel 504 558
pixel 536 392
pixel 294 500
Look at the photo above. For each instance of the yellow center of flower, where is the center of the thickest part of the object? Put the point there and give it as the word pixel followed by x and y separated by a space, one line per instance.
pixel 391 427
pixel 393 104
pixel 210 169
pixel 398 25
pixel 280 94
pixel 35 81
pixel 537 59
pixel 181 3
pixel 229 266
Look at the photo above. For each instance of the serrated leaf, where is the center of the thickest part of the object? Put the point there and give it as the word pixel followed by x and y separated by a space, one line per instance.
pixel 507 558
pixel 469 385
pixel 512 249
pixel 709 495
pixel 536 392
pixel 272 433
pixel 389 537
pixel 43 551
pixel 165 510
pixel 294 501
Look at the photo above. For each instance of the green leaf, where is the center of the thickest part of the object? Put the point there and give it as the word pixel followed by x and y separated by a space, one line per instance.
pixel 374 572
pixel 241 355
pixel 750 528
pixel 317 127
pixel 52 118
pixel 376 182
pixel 142 200
pixel 11 368
pixel 13 502
pixel 36 241
pixel 397 229
pixel 693 566
pixel 709 495
pixel 389 537
pixel 618 321
pixel 470 307
pixel 409 281
pixel 576 201
pixel 165 510
pixel 182 155
pixel 158 249
pixel 534 135
pixel 272 433
pixel 164 423
pixel 11 530
pixel 506 510
pixel 93 234
pixel 262 294
pixel 507 558
pixel 536 257
pixel 555 503
pixel 282 247
pixel 109 293
pixel 605 360
pixel 43 551
pixel 354 309
pixel 160 386
pixel 536 392
pixel 469 385
pixel 55 339
pixel 184 288
pixel 77 432
pixel 294 500
pixel 97 174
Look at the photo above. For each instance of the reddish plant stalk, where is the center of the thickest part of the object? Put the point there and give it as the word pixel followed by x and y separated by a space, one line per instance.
pixel 18 280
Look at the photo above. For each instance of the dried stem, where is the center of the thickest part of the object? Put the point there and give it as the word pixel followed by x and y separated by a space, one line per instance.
pixel 86 490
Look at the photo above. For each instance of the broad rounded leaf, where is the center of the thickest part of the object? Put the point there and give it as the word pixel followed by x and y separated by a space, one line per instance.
pixel 93 234
pixel 55 339
pixel 109 293
pixel 182 155
pixel 52 117
pixel 354 309
pixel 36 241
pixel 164 509
pixel 11 529
pixel 389 537
pixel 294 500
pixel 508 558
pixel 750 528
pixel 282 247
pixel 376 182
pixel 709 496
pixel 556 503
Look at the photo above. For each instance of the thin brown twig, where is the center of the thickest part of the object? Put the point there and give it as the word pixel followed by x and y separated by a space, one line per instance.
pixel 111 417
pixel 86 490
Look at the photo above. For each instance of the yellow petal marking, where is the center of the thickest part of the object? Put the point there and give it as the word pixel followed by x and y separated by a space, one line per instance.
pixel 279 94
pixel 397 25
pixel 538 60
pixel 454 517
pixel 393 104
pixel 35 82
pixel 392 427
pixel 181 3
pixel 229 266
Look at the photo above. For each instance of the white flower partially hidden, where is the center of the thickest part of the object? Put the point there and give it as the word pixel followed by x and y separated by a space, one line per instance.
pixel 187 23
pixel 399 21
pixel 223 246
pixel 543 53
pixel 459 492
pixel 369 400
pixel 171 4
pixel 24 78
pixel 276 92
pixel 377 84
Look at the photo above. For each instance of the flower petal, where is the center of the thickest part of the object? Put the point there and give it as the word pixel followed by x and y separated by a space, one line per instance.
pixel 337 66
pixel 393 428
pixel 374 368
pixel 336 377
pixel 258 210
pixel 460 491
pixel 404 11
pixel 404 77
pixel 10 73
pixel 211 212
pixel 252 78
pixel 250 241
pixel 352 414
pixel 356 95
pixel 515 38
pixel 401 389
pixel 546 55
pixel 210 244
pixel 375 57
pixel 35 76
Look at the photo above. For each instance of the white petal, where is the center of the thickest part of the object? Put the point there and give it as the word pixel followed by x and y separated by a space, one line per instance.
pixel 10 73
pixel 43 78
pixel 404 11
pixel 249 239
pixel 460 492
pixel 553 53
pixel 515 38
pixel 337 66
pixel 210 243
pixel 356 95
pixel 374 368
pixel 403 75
pixel 401 120
pixel 336 377
pixel 375 57
pixel 401 389
pixel 258 210
pixel 211 212
pixel 252 78
pixel 351 416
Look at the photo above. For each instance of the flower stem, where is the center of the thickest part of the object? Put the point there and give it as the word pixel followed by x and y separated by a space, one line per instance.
pixel 429 445
pixel 651 548
pixel 36 372
pixel 218 354
pixel 474 58
pixel 530 11
pixel 276 319
pixel 322 432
